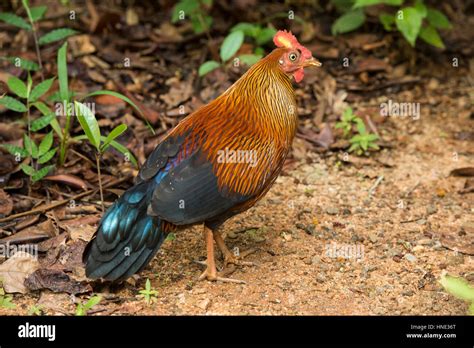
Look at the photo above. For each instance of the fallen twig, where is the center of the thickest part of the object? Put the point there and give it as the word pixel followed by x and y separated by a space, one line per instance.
pixel 374 186
pixel 44 209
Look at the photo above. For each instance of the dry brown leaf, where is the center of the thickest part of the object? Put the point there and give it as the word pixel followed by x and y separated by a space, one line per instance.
pixel 68 179
pixel 179 92
pixel 52 243
pixel 56 302
pixel 84 232
pixel 34 233
pixel 55 280
pixel 81 45
pixel 15 270
pixel 6 203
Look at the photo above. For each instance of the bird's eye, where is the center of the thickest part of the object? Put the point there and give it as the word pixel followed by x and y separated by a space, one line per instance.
pixel 292 57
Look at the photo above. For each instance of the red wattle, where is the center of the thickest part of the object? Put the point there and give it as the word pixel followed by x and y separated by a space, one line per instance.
pixel 298 75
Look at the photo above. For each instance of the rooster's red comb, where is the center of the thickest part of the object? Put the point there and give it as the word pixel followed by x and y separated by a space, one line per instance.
pixel 286 39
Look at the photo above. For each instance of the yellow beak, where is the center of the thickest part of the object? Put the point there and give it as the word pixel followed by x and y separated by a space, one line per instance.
pixel 311 62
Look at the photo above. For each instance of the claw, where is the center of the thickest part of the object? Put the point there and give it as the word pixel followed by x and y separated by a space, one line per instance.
pixel 212 276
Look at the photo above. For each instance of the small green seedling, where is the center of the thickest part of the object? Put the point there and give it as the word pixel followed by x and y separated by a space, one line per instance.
pixel 170 237
pixel 149 294
pixel 43 153
pixel 82 309
pixel 363 140
pixel 234 41
pixel 5 300
pixel 196 10
pixel 459 288
pixel 348 119
pixel 92 132
pixel 35 310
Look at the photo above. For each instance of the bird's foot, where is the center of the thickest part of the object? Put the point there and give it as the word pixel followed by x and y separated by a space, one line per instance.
pixel 212 275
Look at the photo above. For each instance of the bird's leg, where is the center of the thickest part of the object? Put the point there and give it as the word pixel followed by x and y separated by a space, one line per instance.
pixel 211 272
pixel 229 257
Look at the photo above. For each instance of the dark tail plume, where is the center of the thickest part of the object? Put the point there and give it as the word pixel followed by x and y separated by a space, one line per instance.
pixel 126 239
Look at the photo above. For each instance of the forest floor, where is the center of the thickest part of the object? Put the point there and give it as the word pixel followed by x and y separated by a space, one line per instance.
pixel 337 234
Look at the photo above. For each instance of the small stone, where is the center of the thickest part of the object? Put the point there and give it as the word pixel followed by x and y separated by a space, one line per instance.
pixel 204 304
pixel 410 257
pixel 332 210
pixel 300 226
pixel 274 201
pixel 421 222
pixel 346 211
pixel 315 260
pixel 181 298
pixel 370 268
pixel 408 293
pixel 424 242
pixel 357 238
pixel 417 248
pixel 320 278
pixel 324 267
pixel 431 209
pixel 373 237
pixel 310 229
pixel 287 236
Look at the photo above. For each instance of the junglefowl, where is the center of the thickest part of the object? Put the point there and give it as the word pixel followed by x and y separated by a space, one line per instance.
pixel 187 180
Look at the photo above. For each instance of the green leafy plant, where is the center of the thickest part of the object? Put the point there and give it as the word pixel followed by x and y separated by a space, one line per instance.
pixel 348 119
pixel 92 132
pixel 34 14
pixel 149 294
pixel 232 43
pixel 170 237
pixel 5 300
pixel 83 308
pixel 459 288
pixel 42 153
pixel 35 310
pixel 413 21
pixel 86 117
pixel 196 10
pixel 362 141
